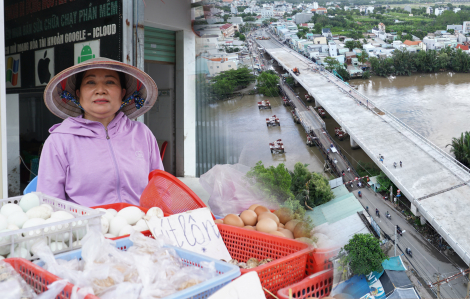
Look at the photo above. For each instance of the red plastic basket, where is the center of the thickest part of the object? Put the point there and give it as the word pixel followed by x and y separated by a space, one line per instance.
pixel 169 194
pixel 317 285
pixel 120 206
pixel 38 278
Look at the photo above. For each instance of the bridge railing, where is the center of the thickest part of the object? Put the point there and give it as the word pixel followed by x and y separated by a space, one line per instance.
pixel 371 104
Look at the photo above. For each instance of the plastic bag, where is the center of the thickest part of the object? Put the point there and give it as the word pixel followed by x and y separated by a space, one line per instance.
pixel 146 269
pixel 230 192
pixel 53 290
pixel 12 285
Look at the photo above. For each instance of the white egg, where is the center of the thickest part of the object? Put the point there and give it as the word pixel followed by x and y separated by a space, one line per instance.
pixel 29 244
pixel 29 201
pixel 9 209
pixel 101 210
pixel 18 218
pixel 39 212
pixel 131 214
pixel 63 215
pixel 12 227
pixel 31 223
pixel 58 236
pixel 116 224
pixel 155 211
pixel 47 206
pixel 109 236
pixel 126 230
pixel 113 212
pixel 76 244
pixel 20 252
pixel 1 258
pixel 109 215
pixel 56 246
pixel 5 249
pixel 141 225
pixel 104 225
pixel 3 222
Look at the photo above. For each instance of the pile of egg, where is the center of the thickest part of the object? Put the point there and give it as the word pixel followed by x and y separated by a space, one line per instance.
pixel 117 224
pixel 29 212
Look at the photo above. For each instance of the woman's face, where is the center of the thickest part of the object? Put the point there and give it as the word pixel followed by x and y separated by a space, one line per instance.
pixel 100 93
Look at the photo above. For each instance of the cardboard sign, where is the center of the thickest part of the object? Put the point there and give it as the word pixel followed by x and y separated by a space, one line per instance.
pixel 247 286
pixel 192 230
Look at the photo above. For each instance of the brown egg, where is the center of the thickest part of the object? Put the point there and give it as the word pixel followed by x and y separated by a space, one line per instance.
pixel 280 225
pixel 268 215
pixel 276 233
pixel 291 224
pixel 221 221
pixel 253 207
pixel 302 229
pixel 287 233
pixel 250 227
pixel 305 240
pixel 249 217
pixel 260 209
pixel 284 215
pixel 232 219
pixel 266 225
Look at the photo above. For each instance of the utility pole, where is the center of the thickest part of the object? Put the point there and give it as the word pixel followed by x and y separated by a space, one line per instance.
pixel 468 287
pixel 438 287
pixel 396 233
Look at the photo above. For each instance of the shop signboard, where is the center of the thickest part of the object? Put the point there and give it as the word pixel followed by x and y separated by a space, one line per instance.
pixel 44 37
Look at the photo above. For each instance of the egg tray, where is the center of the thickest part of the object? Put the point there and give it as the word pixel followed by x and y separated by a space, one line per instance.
pixel 85 219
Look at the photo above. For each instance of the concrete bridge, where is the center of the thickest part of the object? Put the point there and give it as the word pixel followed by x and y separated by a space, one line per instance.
pixel 437 185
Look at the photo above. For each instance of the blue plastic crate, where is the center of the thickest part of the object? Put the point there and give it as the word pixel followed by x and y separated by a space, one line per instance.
pixel 227 272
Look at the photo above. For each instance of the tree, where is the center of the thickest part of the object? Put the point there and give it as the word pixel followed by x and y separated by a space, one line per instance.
pixel 363 254
pixel 242 37
pixel 460 147
pixel 350 44
pixel 384 182
pixel 451 31
pixel 363 58
pixel 272 182
pixel 315 185
pixel 332 63
pixel 267 83
pixel 226 82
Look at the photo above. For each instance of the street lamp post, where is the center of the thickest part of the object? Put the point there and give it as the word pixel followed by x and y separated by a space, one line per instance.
pixel 396 236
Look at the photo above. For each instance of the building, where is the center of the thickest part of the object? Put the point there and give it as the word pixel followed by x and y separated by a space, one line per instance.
pixel 321 11
pixel 326 32
pixel 332 49
pixel 466 27
pixel 236 21
pixel 227 30
pixel 267 12
pixel 463 48
pixel 218 65
pixel 302 17
pixel 457 9
pixel 457 28
pixel 407 8
pixel 412 43
pixel 438 11
pixel 315 5
pixel 381 27
pixel 429 10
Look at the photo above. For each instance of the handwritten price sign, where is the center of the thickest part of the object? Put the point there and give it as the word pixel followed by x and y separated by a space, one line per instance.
pixel 193 230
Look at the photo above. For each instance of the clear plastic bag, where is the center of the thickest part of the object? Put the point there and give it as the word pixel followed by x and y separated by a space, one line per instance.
pixel 229 190
pixel 12 285
pixel 146 269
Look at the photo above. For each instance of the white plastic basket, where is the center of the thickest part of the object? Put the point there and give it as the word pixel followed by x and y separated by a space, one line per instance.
pixel 64 232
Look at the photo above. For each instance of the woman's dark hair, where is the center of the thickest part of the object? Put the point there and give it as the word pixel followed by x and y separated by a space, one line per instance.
pixel 79 79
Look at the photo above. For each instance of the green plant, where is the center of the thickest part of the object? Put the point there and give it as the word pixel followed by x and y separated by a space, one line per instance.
pixel 267 83
pixel 363 254
pixel 460 147
pixel 367 168
pixel 384 182
pixel 272 182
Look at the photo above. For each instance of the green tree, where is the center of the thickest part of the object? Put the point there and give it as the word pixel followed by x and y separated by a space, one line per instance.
pixel 460 147
pixel 331 63
pixel 272 182
pixel 290 81
pixel 267 83
pixel 363 57
pixel 242 37
pixel 384 182
pixel 223 87
pixel 363 254
pixel 451 31
pixel 226 82
pixel 315 185
pixel 350 44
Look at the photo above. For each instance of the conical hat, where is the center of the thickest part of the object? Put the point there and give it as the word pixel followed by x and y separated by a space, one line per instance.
pixel 141 90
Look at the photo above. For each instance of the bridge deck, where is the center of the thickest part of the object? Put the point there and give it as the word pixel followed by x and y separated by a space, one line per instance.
pixel 430 178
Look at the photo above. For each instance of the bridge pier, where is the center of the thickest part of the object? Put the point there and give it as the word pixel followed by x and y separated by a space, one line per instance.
pixel 354 145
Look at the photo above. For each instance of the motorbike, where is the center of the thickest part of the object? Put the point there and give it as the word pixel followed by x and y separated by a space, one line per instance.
pixel 377 213
pixel 408 251
pixel 399 231
pixel 388 216
pixel 360 194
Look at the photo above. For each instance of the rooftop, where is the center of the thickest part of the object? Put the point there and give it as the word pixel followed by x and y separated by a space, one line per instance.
pixel 412 43
pixel 464 48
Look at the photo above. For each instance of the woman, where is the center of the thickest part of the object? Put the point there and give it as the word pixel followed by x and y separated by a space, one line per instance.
pixel 98 155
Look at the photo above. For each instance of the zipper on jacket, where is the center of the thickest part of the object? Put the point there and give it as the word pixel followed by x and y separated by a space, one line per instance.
pixel 115 165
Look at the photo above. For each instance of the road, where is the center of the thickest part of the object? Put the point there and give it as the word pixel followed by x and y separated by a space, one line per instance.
pixel 427 260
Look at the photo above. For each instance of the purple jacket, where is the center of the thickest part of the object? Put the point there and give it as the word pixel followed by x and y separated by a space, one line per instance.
pixel 83 163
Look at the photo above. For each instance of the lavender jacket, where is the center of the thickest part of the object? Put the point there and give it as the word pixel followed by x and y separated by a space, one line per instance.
pixel 83 163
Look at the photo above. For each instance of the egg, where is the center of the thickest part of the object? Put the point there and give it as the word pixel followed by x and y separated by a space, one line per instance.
pixel 31 223
pixel 291 224
pixel 260 209
pixel 109 215
pixel 116 224
pixel 104 225
pixel 155 211
pixel 57 236
pixel 302 229
pixel 250 227
pixel 280 225
pixel 284 214
pixel 276 233
pixel 126 230
pixel 266 225
pixel 49 207
pixel 221 221
pixel 232 219
pixel 12 227
pixel 39 212
pixel 112 212
pixel 9 209
pixel 287 233
pixel 268 215
pixel 56 246
pixel 3 222
pixel 249 217
pixel 253 207
pixel 5 249
pixel 131 214
pixel 20 252
pixel 101 210
pixel 29 201
pixel 141 225
pixel 62 215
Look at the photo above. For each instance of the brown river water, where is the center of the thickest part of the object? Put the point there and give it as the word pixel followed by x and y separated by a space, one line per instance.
pixel 435 105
